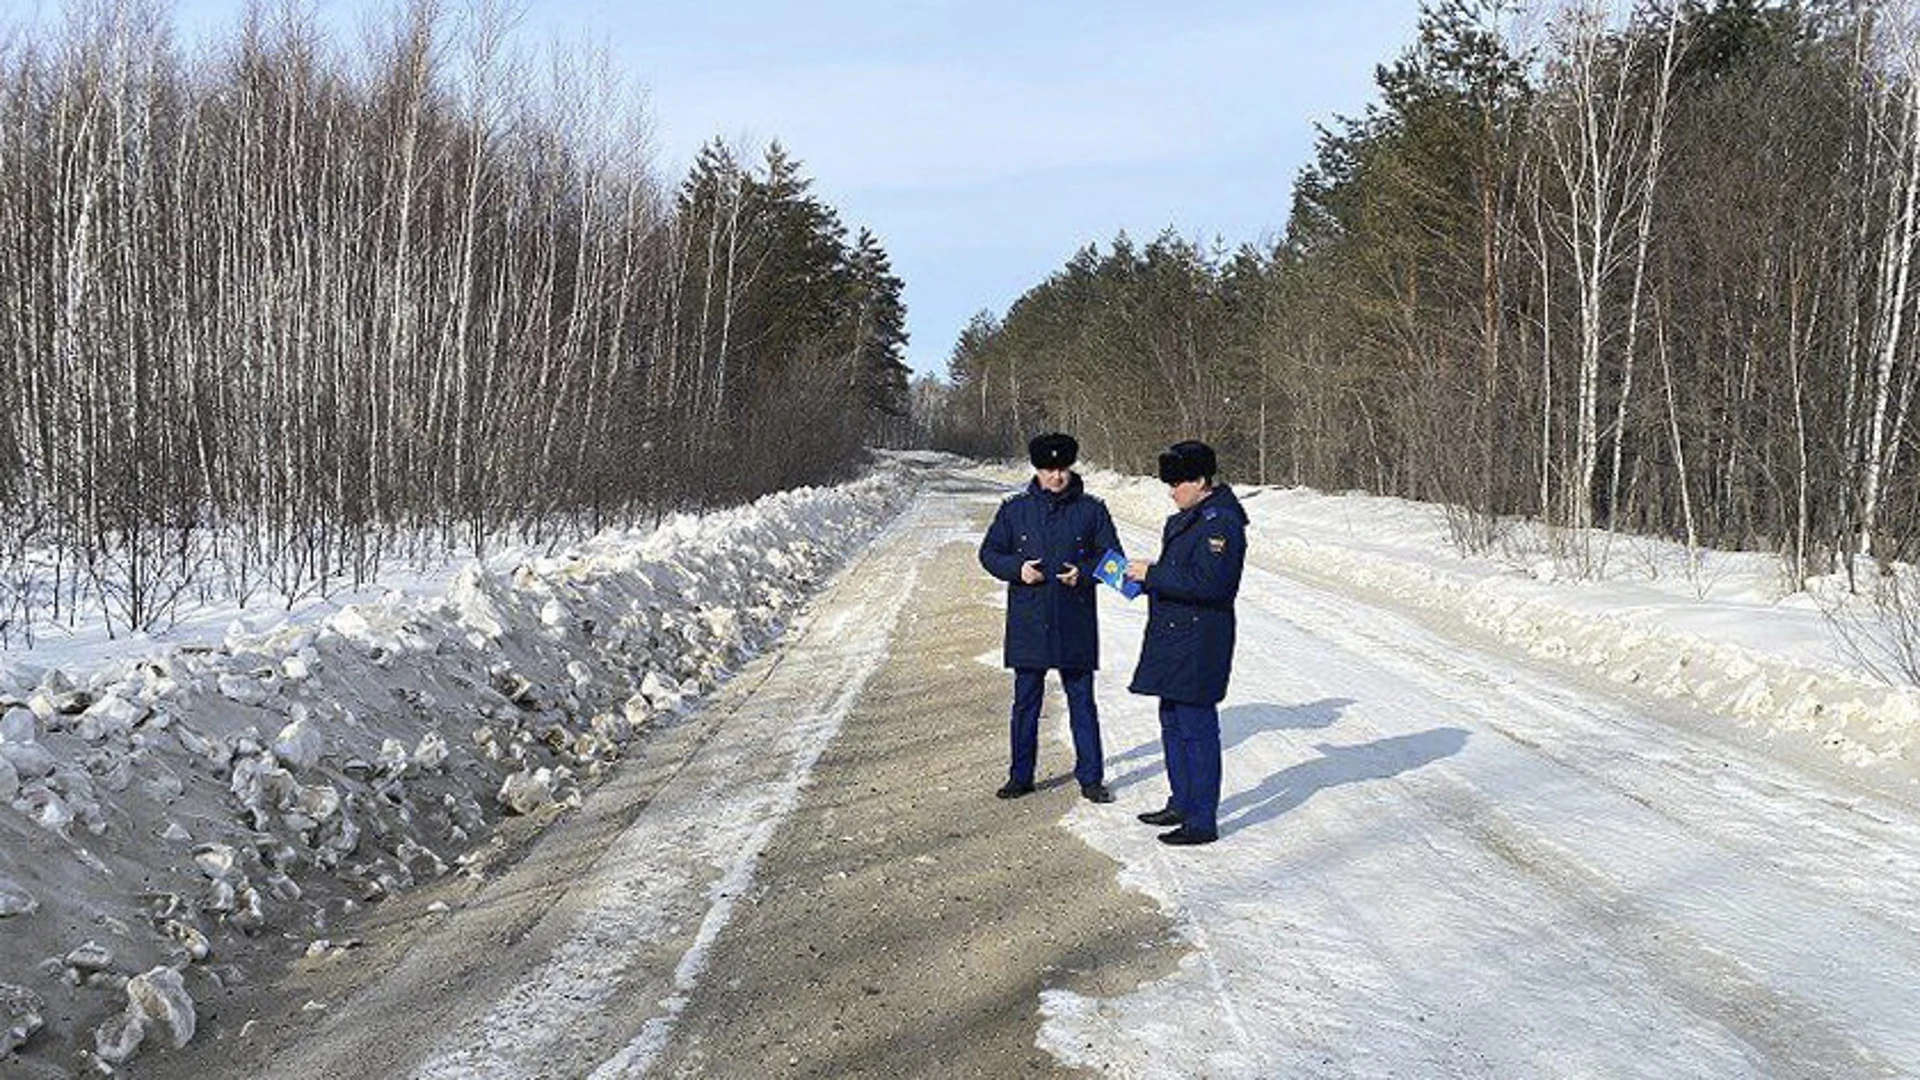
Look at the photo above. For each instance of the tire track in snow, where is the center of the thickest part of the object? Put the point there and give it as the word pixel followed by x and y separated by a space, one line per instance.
pixel 1693 949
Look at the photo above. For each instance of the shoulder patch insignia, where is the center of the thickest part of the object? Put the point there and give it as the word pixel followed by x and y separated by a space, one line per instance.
pixel 1217 544
pixel 1209 514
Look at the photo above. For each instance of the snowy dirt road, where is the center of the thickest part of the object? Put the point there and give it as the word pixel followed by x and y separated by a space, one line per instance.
pixel 809 877
pixel 1438 860
pixel 1441 860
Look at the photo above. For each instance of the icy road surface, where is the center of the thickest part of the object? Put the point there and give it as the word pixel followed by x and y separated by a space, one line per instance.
pixel 1439 859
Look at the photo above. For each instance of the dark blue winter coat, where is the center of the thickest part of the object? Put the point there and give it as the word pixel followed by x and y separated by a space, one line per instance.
pixel 1188 652
pixel 1050 625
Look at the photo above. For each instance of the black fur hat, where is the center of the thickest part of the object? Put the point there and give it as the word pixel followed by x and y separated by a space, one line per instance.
pixel 1053 451
pixel 1189 460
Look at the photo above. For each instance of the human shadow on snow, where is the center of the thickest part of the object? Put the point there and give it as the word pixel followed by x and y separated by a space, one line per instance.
pixel 1238 723
pixel 1337 765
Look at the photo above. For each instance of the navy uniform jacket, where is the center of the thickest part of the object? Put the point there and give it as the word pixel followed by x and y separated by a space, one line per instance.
pixel 1188 652
pixel 1050 625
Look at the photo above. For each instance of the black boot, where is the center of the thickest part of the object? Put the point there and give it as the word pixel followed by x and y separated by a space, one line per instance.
pixel 1096 793
pixel 1184 837
pixel 1013 789
pixel 1164 816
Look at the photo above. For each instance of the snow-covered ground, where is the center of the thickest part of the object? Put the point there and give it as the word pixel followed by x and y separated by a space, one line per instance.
pixel 1719 632
pixel 1450 848
pixel 162 798
pixel 1440 858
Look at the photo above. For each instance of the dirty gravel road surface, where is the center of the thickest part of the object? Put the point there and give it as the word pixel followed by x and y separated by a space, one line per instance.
pixel 808 877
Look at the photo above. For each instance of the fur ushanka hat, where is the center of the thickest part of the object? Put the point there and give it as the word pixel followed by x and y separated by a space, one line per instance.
pixel 1189 460
pixel 1053 450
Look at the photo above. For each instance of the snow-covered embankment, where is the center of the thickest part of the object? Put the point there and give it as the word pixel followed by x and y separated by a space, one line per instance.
pixel 156 809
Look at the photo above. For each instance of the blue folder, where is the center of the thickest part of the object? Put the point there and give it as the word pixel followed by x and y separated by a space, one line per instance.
pixel 1113 571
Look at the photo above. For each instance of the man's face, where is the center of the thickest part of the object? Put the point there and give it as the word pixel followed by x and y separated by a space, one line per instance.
pixel 1054 480
pixel 1188 493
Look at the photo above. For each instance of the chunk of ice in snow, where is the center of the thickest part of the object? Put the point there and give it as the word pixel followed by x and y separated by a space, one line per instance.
pixel 524 792
pixel 30 760
pixel 119 1038
pixel 21 1012
pixel 15 900
pixel 218 861
pixel 661 691
pixel 48 810
pixel 432 751
pixel 156 1002
pixel 19 725
pixel 90 956
pixel 162 1000
pixel 242 689
pixel 110 716
pixel 392 758
pixel 299 745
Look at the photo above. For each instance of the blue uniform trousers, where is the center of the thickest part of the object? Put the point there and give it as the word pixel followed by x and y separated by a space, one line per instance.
pixel 1082 718
pixel 1190 739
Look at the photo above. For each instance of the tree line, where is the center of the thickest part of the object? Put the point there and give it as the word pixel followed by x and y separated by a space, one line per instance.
pixel 276 312
pixel 1647 269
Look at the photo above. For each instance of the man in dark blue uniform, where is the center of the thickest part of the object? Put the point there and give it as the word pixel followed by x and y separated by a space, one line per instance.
pixel 1188 652
pixel 1044 543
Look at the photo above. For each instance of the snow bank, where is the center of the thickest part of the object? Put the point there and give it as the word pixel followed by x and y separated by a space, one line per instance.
pixel 153 807
pixel 1719 632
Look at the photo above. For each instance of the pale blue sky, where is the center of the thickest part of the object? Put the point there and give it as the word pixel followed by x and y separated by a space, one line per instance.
pixel 984 142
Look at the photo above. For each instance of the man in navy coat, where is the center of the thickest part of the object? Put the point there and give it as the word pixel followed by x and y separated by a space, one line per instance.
pixel 1188 652
pixel 1044 543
